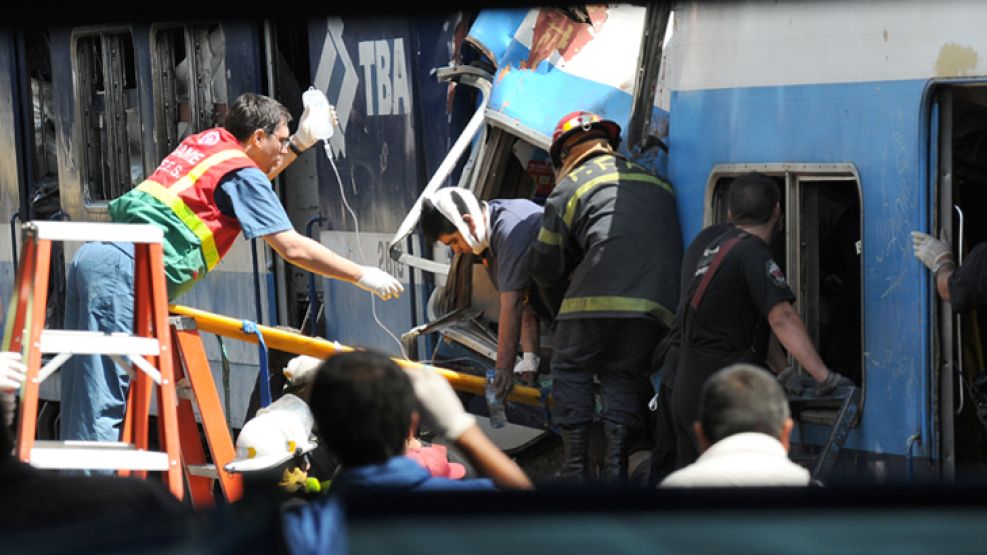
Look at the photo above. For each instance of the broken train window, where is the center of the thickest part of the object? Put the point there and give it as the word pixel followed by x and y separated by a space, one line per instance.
pixel 107 92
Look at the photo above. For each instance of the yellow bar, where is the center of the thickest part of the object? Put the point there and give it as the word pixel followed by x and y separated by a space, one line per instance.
pixel 320 348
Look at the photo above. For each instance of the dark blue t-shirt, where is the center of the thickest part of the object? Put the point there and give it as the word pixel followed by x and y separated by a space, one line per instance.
pixel 318 527
pixel 246 194
pixel 514 225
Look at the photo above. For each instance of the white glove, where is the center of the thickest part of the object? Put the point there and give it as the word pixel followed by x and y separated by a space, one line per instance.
pixel 933 253
pixel 440 406
pixel 317 121
pixel 379 282
pixel 301 369
pixel 528 363
pixel 12 371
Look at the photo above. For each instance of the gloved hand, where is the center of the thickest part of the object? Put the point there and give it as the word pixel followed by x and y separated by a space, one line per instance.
pixel 832 382
pixel 317 121
pixel 379 282
pixel 527 368
pixel 12 371
pixel 440 406
pixel 301 369
pixel 795 383
pixel 933 253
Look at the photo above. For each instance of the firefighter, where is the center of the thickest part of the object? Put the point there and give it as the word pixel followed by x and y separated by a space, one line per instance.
pixel 609 253
pixel 211 188
pixel 737 297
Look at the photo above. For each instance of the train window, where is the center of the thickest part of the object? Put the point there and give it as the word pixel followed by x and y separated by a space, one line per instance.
pixel 39 68
pixel 820 249
pixel 189 76
pixel 111 128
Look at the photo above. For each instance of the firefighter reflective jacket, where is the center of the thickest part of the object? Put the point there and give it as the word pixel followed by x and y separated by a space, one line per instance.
pixel 178 198
pixel 614 228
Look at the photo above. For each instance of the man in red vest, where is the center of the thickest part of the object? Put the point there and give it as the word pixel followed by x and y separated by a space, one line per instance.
pixel 214 186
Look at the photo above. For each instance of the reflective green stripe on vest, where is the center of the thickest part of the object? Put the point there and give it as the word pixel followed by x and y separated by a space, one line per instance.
pixel 617 304
pixel 570 207
pixel 202 167
pixel 188 217
pixel 549 237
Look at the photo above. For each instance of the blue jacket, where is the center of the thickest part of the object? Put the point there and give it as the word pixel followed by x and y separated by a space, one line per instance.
pixel 319 526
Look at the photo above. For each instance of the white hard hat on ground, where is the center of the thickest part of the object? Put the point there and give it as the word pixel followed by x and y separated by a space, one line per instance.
pixel 277 433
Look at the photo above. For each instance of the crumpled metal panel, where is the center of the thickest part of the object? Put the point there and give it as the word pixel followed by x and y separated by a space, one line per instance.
pixel 548 65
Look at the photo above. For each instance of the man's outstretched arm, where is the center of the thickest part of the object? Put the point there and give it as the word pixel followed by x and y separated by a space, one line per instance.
pixel 442 408
pixel 311 255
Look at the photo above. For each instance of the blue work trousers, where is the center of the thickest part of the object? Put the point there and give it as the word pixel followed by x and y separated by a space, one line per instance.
pixel 615 350
pixel 99 297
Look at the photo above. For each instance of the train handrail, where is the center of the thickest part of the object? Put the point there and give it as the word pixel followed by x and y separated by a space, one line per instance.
pixel 313 311
pixel 321 348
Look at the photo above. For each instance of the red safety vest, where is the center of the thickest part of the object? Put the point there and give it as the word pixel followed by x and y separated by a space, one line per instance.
pixel 186 180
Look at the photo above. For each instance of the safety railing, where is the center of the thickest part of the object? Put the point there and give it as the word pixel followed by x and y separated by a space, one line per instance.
pixel 316 347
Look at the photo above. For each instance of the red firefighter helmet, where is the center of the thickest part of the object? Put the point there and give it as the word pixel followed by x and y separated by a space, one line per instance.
pixel 581 121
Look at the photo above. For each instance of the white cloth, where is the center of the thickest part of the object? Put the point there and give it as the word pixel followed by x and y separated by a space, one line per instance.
pixel 746 459
pixel 445 200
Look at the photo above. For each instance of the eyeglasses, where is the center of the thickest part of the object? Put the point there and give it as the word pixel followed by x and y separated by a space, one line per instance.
pixel 284 140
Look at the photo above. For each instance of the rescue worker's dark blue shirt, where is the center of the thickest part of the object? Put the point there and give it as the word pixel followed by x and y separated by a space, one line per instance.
pixel 514 225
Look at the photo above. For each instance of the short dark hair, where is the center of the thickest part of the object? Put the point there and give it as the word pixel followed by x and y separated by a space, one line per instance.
pixel 362 404
pixel 742 398
pixel 254 111
pixel 434 223
pixel 752 198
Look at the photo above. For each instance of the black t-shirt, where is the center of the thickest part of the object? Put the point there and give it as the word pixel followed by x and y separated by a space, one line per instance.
pixel 730 325
pixel 731 318
pixel 968 284
pixel 689 262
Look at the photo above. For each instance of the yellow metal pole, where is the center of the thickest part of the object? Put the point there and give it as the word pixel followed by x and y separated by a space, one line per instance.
pixel 320 348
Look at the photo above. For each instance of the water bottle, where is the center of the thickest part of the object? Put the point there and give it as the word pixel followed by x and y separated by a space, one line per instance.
pixel 495 407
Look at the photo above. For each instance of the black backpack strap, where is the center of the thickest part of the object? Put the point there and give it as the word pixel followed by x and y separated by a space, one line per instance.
pixel 717 251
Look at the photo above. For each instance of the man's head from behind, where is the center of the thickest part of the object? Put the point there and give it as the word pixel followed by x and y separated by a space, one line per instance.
pixel 742 398
pixel 752 199
pixel 364 407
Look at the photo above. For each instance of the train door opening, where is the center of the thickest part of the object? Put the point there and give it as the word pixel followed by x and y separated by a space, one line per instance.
pixel 961 197
pixel 820 249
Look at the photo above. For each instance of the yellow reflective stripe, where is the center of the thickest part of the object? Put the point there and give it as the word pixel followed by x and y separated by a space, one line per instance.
pixel 188 217
pixel 549 237
pixel 570 207
pixel 616 304
pixel 202 167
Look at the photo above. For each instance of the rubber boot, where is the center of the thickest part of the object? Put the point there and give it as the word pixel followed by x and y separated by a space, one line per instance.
pixel 575 440
pixel 615 455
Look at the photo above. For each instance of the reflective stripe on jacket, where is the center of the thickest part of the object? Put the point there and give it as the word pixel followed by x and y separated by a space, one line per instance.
pixel 614 228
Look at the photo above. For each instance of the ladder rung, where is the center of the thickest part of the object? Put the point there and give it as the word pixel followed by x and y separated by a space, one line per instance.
pixel 93 231
pixel 98 455
pixel 204 470
pixel 97 343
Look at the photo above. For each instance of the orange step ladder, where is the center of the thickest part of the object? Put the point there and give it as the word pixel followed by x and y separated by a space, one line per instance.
pixel 176 381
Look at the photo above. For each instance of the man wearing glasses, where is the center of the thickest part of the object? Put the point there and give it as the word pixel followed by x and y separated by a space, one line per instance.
pixel 214 186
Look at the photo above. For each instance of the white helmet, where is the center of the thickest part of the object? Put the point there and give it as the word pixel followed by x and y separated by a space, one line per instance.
pixel 278 432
